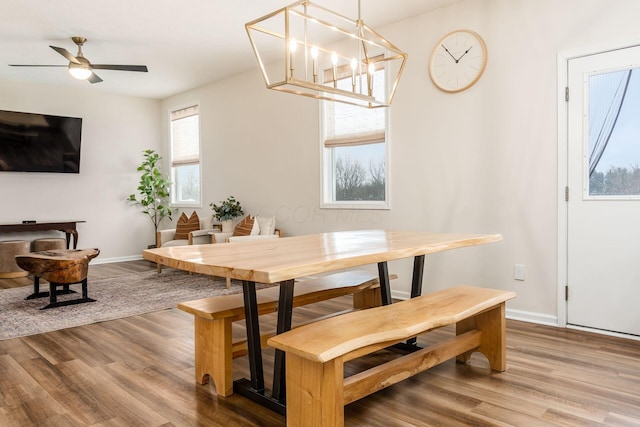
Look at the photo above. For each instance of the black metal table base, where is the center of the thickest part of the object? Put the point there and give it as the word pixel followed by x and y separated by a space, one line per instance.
pixel 46 293
pixel 254 388
pixel 243 388
pixel 405 347
pixel 54 292
pixel 38 294
pixel 70 302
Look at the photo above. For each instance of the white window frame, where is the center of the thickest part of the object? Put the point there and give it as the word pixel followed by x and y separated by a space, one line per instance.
pixel 327 173
pixel 174 201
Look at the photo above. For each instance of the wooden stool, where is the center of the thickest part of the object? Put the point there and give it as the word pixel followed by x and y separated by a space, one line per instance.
pixel 61 267
pixel 8 251
pixel 48 244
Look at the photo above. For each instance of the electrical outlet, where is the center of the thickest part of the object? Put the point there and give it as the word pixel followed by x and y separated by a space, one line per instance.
pixel 519 272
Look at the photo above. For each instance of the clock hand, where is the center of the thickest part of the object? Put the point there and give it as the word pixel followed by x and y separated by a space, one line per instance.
pixel 465 52
pixel 447 50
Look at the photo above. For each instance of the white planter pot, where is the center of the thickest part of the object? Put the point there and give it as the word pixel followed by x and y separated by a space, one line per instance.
pixel 227 226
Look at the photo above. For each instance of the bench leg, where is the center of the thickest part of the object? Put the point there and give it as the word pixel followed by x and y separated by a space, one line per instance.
pixel 314 392
pixel 367 298
pixel 493 325
pixel 213 354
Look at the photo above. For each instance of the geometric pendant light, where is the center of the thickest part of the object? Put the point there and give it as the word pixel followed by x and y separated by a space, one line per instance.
pixel 308 50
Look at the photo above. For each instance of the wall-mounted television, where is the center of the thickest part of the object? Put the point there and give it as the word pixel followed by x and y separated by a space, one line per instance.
pixel 39 142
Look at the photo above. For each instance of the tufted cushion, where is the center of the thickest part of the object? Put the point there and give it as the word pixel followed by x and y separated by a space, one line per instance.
pixel 247 227
pixel 185 225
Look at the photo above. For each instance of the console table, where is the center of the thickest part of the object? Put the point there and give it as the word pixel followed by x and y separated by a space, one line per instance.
pixel 67 227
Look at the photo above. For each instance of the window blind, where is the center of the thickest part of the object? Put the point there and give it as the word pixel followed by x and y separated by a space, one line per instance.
pixel 347 125
pixel 184 136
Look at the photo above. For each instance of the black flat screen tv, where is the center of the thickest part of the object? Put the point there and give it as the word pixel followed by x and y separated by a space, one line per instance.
pixel 39 142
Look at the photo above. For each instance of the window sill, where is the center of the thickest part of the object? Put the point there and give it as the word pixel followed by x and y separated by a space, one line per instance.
pixel 356 205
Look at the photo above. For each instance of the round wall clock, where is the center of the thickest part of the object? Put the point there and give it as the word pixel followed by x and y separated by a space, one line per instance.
pixel 458 61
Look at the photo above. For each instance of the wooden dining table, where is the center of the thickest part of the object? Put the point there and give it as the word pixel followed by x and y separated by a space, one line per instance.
pixel 281 261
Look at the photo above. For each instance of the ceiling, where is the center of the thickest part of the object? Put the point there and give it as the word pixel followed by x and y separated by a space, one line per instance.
pixel 184 44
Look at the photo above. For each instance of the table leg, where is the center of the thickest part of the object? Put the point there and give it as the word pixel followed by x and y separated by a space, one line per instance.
pixel 68 233
pixel 253 335
pixel 416 285
pixel 36 289
pixel 418 272
pixel 255 389
pixel 53 297
pixel 285 313
pixel 385 287
pixel 37 294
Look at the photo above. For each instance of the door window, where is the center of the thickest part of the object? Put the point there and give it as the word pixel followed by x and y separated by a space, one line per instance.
pixel 612 160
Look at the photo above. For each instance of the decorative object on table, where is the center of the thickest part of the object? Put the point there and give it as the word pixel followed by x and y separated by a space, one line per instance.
pixel 458 60
pixel 320 60
pixel 153 190
pixel 62 267
pixel 226 212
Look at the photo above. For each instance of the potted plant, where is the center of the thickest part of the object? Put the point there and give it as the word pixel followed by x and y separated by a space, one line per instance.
pixel 153 190
pixel 226 212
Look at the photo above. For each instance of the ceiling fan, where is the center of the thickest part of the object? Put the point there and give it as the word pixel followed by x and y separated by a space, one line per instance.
pixel 81 68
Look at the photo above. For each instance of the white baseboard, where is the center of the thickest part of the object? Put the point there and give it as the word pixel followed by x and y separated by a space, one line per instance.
pixel 401 295
pixel 525 316
pixel 531 317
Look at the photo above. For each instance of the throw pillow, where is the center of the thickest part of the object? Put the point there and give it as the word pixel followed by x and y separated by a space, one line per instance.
pixel 185 225
pixel 244 227
pixel 267 224
pixel 255 230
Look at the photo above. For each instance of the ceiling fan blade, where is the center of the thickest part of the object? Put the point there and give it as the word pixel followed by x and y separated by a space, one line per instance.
pixel 93 78
pixel 36 65
pixel 141 68
pixel 66 54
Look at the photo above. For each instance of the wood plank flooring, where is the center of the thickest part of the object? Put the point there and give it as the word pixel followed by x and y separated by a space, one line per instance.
pixel 138 371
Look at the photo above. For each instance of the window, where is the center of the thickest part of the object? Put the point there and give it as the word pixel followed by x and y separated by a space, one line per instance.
pixel 185 157
pixel 613 163
pixel 355 151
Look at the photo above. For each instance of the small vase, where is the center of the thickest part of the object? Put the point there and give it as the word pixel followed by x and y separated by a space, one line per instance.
pixel 227 226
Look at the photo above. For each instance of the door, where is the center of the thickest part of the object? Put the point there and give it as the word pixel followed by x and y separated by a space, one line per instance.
pixel 603 223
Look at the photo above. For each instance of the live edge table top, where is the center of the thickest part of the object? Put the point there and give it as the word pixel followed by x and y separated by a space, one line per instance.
pixel 286 258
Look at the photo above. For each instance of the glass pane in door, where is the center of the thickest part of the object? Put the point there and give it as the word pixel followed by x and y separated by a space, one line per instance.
pixel 612 163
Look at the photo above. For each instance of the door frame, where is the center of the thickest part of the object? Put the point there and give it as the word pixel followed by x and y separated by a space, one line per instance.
pixel 563 170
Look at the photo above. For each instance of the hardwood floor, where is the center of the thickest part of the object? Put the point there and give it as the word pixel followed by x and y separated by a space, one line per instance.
pixel 138 371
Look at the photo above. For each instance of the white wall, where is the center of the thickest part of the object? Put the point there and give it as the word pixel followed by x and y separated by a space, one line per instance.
pixel 483 160
pixel 115 131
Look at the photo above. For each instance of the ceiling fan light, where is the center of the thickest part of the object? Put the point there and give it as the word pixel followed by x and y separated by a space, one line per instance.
pixel 79 71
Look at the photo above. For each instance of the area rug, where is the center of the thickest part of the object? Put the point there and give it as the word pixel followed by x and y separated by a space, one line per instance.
pixel 118 297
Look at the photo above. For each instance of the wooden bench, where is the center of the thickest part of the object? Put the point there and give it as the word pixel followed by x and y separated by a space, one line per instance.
pixel 316 388
pixel 214 349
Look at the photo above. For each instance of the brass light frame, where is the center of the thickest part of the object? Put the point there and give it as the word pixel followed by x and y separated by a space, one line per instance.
pixel 307 38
